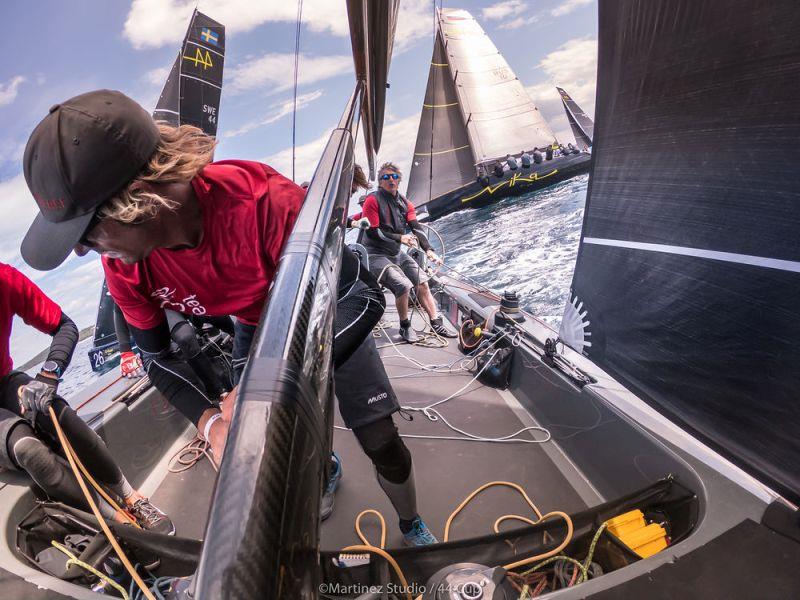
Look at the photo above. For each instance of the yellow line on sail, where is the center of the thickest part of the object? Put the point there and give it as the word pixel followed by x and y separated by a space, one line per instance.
pixel 439 105
pixel 433 64
pixel 440 151
pixel 510 183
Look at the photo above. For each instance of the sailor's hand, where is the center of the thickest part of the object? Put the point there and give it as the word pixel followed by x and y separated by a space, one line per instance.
pixel 228 403
pixel 36 396
pixel 362 223
pixel 433 257
pixel 409 240
pixel 130 364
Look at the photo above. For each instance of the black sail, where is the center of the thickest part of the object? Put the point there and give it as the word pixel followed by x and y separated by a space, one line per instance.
pixel 191 95
pixel 443 159
pixel 687 283
pixel 581 124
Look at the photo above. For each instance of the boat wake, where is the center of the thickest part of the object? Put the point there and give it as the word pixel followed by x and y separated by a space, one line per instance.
pixel 527 244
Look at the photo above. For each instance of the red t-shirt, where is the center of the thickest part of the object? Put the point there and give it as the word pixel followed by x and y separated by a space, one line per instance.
pixel 20 296
pixel 370 210
pixel 249 210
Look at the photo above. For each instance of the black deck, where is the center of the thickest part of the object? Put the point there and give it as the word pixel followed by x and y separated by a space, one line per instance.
pixel 446 471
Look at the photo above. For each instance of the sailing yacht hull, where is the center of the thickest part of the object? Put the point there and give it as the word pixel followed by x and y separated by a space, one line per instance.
pixel 512 183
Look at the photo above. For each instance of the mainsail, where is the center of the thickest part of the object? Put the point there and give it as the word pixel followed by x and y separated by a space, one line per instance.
pixel 687 283
pixel 581 123
pixel 193 89
pixel 442 145
pixel 499 114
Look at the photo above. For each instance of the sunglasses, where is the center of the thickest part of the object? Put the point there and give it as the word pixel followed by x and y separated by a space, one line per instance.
pixel 388 176
pixel 92 224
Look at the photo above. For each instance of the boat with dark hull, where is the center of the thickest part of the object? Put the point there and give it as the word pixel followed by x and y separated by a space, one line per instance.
pixel 475 113
pixel 581 124
pixel 190 96
pixel 655 434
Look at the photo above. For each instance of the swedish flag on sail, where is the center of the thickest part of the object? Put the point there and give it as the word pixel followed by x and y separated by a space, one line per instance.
pixel 209 36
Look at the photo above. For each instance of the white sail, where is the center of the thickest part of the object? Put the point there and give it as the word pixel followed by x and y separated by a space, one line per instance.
pixel 500 116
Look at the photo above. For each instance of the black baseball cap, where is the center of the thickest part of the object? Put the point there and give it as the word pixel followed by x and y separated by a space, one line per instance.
pixel 81 154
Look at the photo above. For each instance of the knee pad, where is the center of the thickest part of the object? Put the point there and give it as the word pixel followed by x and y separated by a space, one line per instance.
pixel 390 457
pixel 183 334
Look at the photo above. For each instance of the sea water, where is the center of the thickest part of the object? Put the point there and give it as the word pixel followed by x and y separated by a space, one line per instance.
pixel 526 244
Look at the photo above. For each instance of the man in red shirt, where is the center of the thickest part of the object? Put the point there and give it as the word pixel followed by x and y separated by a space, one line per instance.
pixel 390 214
pixel 180 233
pixel 27 443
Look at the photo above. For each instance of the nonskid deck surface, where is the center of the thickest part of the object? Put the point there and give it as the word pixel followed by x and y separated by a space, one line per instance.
pixel 446 471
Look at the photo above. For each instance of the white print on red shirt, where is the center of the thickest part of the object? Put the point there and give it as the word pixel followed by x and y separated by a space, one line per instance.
pixel 188 304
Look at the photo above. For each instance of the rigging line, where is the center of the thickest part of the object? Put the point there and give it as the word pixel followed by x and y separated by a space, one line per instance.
pixel 433 113
pixel 296 70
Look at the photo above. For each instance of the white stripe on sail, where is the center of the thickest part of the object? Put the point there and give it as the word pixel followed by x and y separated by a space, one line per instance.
pixel 742 259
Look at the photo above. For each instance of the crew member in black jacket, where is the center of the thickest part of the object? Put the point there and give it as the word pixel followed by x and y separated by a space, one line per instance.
pixel 390 215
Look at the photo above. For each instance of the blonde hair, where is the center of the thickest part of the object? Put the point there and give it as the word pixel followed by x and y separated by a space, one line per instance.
pixel 180 155
pixel 390 166
pixel 359 178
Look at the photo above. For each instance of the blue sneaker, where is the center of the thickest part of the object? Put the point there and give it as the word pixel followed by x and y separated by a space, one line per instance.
pixel 329 495
pixel 419 535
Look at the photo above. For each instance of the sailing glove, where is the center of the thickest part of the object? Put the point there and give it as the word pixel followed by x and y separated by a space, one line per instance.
pixel 36 397
pixel 131 365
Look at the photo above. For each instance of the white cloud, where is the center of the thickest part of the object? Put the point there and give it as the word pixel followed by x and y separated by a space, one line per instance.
pixel 17 211
pixel 157 76
pixel 572 66
pixel 568 6
pixel 279 110
pixel 520 22
pixel 274 70
pixel 8 91
pixel 12 150
pixel 397 145
pixel 154 23
pixel 501 10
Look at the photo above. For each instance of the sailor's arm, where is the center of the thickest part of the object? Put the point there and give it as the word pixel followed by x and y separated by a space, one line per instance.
pixel 171 375
pixel 34 307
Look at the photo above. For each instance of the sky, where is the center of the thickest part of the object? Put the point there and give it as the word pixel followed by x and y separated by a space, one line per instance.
pixel 57 49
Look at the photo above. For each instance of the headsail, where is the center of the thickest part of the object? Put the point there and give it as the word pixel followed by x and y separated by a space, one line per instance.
pixel 687 279
pixel 499 114
pixel 442 156
pixel 191 95
pixel 581 123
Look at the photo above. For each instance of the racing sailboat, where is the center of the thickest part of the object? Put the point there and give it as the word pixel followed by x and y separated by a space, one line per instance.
pixel 191 96
pixel 581 124
pixel 475 113
pixel 660 450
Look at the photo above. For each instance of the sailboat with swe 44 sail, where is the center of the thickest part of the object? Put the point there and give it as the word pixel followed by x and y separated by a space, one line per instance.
pixel 191 96
pixel 476 112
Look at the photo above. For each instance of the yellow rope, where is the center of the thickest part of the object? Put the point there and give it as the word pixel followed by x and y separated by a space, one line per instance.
pixel 388 557
pixel 103 525
pixel 99 488
pixel 73 560
pixel 361 535
pixel 540 519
